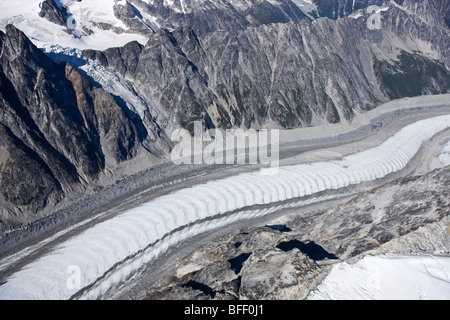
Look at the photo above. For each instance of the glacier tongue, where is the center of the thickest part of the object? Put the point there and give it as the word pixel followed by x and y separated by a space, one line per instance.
pixel 95 251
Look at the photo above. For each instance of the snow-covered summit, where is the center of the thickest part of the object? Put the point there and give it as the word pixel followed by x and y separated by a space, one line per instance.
pixel 100 24
pixel 89 24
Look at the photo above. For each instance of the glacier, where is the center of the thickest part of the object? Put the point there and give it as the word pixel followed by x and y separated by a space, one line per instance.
pixel 111 251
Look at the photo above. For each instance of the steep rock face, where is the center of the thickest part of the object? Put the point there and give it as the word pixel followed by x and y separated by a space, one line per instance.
pixel 58 131
pixel 437 10
pixel 117 133
pixel 291 74
pixel 48 98
pixel 131 18
pixel 408 76
pixel 432 11
pixel 165 79
pixel 39 188
pixel 207 15
pixel 259 63
pixel 145 17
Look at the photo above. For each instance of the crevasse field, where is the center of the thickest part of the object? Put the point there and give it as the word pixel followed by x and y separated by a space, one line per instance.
pixel 111 251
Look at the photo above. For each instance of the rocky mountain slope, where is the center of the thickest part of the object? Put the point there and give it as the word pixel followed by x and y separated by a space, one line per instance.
pixel 59 132
pixel 115 78
pixel 286 73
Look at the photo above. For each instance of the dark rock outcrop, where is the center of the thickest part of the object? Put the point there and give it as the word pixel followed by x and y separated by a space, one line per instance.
pixel 53 13
pixel 59 132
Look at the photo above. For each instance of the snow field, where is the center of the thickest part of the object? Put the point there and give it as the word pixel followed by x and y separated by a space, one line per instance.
pixel 388 277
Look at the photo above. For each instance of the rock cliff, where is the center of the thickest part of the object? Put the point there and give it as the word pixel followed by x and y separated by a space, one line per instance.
pixel 59 132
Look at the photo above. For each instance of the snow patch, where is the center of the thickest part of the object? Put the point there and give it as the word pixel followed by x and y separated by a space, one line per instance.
pixel 148 18
pixel 356 15
pixel 98 11
pixel 388 277
pixel 24 15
